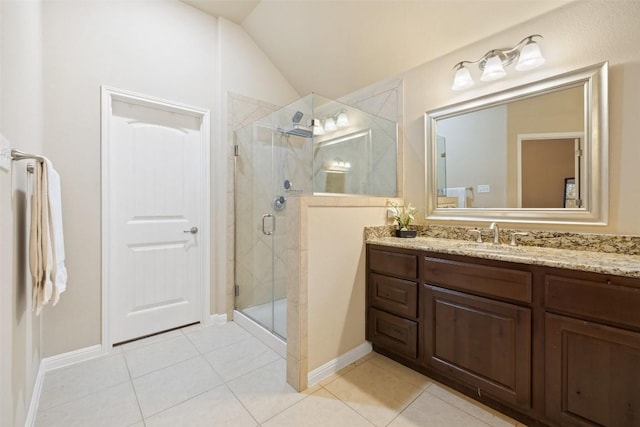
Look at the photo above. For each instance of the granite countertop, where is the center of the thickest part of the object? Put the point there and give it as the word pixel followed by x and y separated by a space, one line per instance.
pixel 598 262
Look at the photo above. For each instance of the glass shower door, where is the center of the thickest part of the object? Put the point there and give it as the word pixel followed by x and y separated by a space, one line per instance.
pixel 260 230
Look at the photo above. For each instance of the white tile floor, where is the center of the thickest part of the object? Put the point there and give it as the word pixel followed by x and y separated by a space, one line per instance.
pixel 222 376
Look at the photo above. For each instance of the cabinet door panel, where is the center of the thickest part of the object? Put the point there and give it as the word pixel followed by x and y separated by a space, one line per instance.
pixel 482 342
pixel 592 373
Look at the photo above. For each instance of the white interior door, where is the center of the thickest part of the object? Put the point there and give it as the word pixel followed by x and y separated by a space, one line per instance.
pixel 155 239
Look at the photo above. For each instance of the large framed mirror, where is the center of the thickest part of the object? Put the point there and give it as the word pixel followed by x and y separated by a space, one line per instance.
pixel 534 153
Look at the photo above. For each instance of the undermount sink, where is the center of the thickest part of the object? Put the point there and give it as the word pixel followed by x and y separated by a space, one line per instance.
pixel 491 248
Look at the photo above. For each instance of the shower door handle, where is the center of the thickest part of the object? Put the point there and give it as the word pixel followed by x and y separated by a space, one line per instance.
pixel 273 222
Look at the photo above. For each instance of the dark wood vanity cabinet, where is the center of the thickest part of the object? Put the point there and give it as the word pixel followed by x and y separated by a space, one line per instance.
pixel 592 351
pixel 482 342
pixel 392 301
pixel 548 346
pixel 477 326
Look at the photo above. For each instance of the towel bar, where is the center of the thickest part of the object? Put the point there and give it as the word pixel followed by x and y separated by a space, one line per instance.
pixel 21 155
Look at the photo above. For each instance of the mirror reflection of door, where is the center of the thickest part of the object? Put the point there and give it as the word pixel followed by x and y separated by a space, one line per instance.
pixel 544 164
pixel 442 165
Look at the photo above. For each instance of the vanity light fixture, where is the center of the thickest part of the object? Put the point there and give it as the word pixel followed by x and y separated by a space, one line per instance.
pixel 492 63
pixel 317 127
pixel 343 120
pixel 330 124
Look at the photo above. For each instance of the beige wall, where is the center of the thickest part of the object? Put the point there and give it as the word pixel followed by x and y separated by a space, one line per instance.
pixel 245 71
pixel 164 49
pixel 21 125
pixel 336 278
pixel 135 46
pixel 575 36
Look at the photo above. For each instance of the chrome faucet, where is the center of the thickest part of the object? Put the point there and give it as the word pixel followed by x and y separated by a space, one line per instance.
pixel 496 233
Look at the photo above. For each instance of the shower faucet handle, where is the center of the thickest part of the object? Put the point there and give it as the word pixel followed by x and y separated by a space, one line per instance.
pixel 278 203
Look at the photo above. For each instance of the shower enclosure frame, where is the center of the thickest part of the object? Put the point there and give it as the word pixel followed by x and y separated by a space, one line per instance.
pixel 312 162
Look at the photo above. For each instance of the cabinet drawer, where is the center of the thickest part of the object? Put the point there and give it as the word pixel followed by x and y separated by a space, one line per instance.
pixel 394 333
pixel 396 296
pixel 603 301
pixel 497 282
pixel 394 263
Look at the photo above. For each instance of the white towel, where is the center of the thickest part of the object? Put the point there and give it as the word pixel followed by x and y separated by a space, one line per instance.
pixel 58 270
pixel 46 242
pixel 460 193
pixel 40 261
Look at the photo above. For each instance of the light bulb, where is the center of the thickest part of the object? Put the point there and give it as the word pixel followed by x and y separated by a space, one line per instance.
pixel 342 120
pixel 462 79
pixel 317 128
pixel 330 125
pixel 493 69
pixel 530 57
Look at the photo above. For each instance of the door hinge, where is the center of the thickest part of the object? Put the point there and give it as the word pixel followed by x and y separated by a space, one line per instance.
pixel 578 203
pixel 235 150
pixel 236 290
pixel 579 152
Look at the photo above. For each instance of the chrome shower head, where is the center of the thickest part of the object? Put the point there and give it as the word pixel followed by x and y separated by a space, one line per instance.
pixel 298 131
pixel 297 117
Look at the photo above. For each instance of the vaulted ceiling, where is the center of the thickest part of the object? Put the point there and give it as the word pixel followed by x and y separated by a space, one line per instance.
pixel 333 47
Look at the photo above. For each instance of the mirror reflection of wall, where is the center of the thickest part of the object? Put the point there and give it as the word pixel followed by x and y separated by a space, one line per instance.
pixel 477 154
pixel 343 164
pixel 482 151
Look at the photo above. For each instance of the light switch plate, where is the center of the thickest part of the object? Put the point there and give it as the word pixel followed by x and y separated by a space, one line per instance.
pixel 5 153
pixel 484 188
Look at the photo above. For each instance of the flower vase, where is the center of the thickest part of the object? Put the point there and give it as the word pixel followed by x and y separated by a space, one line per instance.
pixel 405 233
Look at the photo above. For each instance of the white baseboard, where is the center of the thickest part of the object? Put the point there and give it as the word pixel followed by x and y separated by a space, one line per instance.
pixel 35 397
pixel 275 343
pixel 56 362
pixel 338 363
pixel 217 319
pixel 71 358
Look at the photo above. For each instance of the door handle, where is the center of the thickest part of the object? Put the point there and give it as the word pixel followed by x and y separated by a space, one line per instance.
pixel 264 228
pixel 192 230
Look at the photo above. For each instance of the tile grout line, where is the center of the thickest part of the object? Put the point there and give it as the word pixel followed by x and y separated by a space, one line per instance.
pixel 181 402
pixel 133 386
pixel 475 404
pixel 410 403
pixel 84 395
pixel 348 406
pixel 288 407
pixel 461 410
pixel 164 367
pixel 243 405
pixel 218 348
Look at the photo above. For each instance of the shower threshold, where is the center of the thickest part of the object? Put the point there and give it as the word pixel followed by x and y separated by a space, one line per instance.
pixel 250 323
